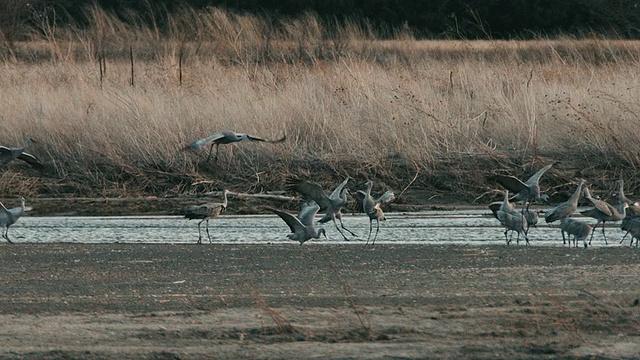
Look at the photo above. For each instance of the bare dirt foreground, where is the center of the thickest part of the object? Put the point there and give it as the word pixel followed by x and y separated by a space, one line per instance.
pixel 317 301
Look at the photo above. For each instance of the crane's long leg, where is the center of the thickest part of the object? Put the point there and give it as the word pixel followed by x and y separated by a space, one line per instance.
pixel 6 236
pixel 526 239
pixel 342 225
pixel 377 230
pixel 207 227
pixel 563 239
pixel 370 228
pixel 506 238
pixel 595 227
pixel 200 233
pixel 340 231
pixel 625 235
pixel 211 150
pixel 603 234
pixel 339 216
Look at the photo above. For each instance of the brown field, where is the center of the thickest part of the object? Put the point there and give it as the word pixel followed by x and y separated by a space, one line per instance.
pixel 318 301
pixel 431 114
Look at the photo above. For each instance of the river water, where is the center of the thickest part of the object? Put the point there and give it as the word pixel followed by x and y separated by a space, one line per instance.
pixel 470 227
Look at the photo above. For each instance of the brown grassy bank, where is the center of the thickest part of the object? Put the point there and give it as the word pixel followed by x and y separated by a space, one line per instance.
pixel 440 113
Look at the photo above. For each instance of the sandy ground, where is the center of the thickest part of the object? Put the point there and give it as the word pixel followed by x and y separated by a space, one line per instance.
pixel 317 301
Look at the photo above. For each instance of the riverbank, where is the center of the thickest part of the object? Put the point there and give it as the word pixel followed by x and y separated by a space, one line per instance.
pixel 330 301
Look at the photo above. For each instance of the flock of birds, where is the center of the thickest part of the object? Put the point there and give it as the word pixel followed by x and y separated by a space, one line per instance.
pixel 520 221
pixel 316 200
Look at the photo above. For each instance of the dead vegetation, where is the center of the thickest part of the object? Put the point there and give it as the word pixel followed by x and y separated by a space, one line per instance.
pixel 113 104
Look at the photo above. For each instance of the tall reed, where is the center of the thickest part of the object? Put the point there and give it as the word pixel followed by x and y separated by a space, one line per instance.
pixel 348 102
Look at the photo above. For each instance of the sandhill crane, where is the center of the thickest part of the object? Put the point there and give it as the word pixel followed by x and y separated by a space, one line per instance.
pixel 301 227
pixel 566 208
pixel 8 154
pixel 603 212
pixel 206 212
pixel 226 137
pixel 579 229
pixel 331 205
pixel 9 217
pixel 632 227
pixel 530 215
pixel 631 219
pixel 634 206
pixel 526 191
pixel 371 207
pixel 510 218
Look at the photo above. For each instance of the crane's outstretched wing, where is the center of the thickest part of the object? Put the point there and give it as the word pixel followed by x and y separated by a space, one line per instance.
pixel 336 192
pixel 294 223
pixel 31 160
pixel 307 213
pixel 511 183
pixel 387 197
pixel 257 138
pixel 309 190
pixel 494 207
pixel 203 142
pixel 5 150
pixel 535 178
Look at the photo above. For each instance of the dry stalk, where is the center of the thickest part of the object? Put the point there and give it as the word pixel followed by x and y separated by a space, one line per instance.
pixel 365 324
pixel 284 327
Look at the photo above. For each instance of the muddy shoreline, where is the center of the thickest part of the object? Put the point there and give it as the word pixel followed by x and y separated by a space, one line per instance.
pixel 329 301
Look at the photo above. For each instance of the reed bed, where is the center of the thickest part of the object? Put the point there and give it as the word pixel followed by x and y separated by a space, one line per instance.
pixel 434 114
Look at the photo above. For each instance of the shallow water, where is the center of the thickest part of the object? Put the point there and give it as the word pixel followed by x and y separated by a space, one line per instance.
pixel 470 227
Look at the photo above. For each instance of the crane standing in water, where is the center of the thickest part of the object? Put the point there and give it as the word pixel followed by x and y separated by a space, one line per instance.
pixel 205 212
pixel 603 212
pixel 301 227
pixel 331 205
pixel 9 217
pixel 372 208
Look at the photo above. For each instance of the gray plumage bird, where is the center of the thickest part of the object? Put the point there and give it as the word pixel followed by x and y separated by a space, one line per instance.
pixel 566 208
pixel 634 206
pixel 205 212
pixel 579 229
pixel 331 205
pixel 510 218
pixel 9 217
pixel 631 221
pixel 372 208
pixel 603 212
pixel 8 154
pixel 301 227
pixel 525 191
pixel 226 137
pixel 530 215
pixel 632 227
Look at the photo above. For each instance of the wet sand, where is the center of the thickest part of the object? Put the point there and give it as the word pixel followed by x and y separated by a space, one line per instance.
pixel 135 301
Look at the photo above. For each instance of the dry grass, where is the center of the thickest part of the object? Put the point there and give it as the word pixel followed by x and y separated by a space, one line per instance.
pixel 348 102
